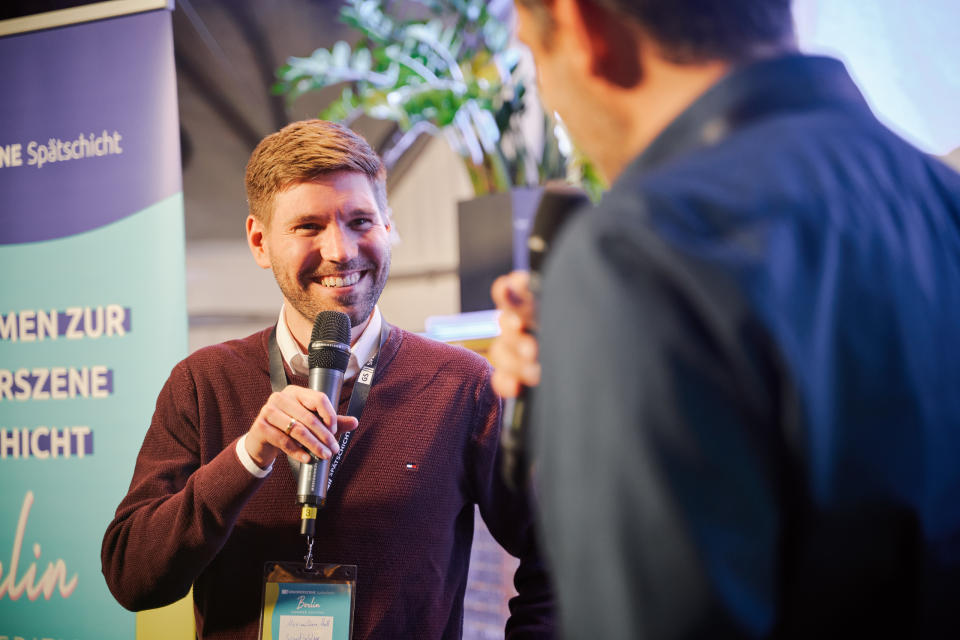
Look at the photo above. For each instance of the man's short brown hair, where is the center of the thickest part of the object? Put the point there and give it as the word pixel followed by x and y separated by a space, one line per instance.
pixel 302 151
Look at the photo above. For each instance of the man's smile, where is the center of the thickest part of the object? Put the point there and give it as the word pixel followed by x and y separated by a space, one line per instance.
pixel 336 281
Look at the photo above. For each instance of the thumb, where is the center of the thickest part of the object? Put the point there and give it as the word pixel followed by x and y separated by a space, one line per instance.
pixel 346 423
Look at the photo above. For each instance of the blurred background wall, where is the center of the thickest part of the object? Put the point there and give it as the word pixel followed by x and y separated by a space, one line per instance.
pixel 903 56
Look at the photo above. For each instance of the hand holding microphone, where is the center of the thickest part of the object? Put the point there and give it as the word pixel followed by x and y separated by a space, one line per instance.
pixel 516 370
pixel 514 352
pixel 303 422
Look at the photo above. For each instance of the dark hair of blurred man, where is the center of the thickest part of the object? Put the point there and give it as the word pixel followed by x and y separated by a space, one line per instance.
pixel 747 360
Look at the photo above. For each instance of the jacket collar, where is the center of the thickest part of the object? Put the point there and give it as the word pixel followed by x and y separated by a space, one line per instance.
pixel 787 84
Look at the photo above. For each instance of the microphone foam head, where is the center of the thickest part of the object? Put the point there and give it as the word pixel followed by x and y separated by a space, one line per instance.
pixel 330 341
pixel 558 204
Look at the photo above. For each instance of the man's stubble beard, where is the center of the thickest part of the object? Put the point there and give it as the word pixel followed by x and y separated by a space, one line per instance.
pixel 359 305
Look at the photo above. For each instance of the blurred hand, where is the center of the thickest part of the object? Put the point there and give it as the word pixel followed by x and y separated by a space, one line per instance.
pixel 514 352
pixel 288 422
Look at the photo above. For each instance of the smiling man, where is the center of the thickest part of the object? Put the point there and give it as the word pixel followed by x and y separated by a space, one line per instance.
pixel 213 498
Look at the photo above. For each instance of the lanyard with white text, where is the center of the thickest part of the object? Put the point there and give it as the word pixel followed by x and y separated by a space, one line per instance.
pixel 358 397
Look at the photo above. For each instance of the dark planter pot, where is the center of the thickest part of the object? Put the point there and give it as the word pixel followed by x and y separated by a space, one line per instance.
pixel 493 232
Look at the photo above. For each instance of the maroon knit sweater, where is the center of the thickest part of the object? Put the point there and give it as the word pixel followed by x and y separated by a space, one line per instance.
pixel 195 516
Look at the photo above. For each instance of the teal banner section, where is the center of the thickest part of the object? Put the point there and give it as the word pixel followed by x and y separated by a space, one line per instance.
pixel 91 327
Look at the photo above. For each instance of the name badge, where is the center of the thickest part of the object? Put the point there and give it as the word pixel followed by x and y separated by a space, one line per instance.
pixel 316 604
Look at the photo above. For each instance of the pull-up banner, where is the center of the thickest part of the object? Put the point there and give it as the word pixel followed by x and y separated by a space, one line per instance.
pixel 92 305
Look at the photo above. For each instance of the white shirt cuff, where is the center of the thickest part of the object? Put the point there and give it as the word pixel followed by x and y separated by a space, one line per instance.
pixel 248 462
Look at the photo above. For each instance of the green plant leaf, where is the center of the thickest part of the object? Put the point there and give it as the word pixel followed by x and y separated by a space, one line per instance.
pixel 452 73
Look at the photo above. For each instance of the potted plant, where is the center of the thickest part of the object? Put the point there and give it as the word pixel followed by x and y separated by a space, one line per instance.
pixel 453 71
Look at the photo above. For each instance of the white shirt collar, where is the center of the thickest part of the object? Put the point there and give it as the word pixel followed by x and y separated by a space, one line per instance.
pixel 366 345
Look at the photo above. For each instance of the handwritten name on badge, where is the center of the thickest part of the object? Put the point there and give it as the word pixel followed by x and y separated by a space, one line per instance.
pixel 306 628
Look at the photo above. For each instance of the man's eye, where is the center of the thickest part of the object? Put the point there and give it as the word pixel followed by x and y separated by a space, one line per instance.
pixel 307 227
pixel 361 223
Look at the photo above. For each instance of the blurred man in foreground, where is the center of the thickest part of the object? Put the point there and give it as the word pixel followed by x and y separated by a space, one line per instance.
pixel 747 418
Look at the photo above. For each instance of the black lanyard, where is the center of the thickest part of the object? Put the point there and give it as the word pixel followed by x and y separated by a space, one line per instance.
pixel 358 397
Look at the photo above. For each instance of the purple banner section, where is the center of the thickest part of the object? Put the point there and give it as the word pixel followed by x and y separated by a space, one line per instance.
pixel 69 165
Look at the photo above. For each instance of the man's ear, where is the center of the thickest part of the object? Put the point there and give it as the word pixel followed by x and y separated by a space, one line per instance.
pixel 613 43
pixel 387 217
pixel 255 241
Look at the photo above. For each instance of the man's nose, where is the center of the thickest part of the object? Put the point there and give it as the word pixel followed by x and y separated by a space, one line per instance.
pixel 336 244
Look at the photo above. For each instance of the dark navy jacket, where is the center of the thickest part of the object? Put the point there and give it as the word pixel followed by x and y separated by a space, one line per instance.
pixel 749 418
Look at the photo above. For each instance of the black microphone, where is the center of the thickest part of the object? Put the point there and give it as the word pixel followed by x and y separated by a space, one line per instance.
pixel 557 205
pixel 328 354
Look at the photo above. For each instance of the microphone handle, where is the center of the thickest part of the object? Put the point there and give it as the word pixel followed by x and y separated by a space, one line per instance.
pixel 314 475
pixel 513 439
pixel 557 205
